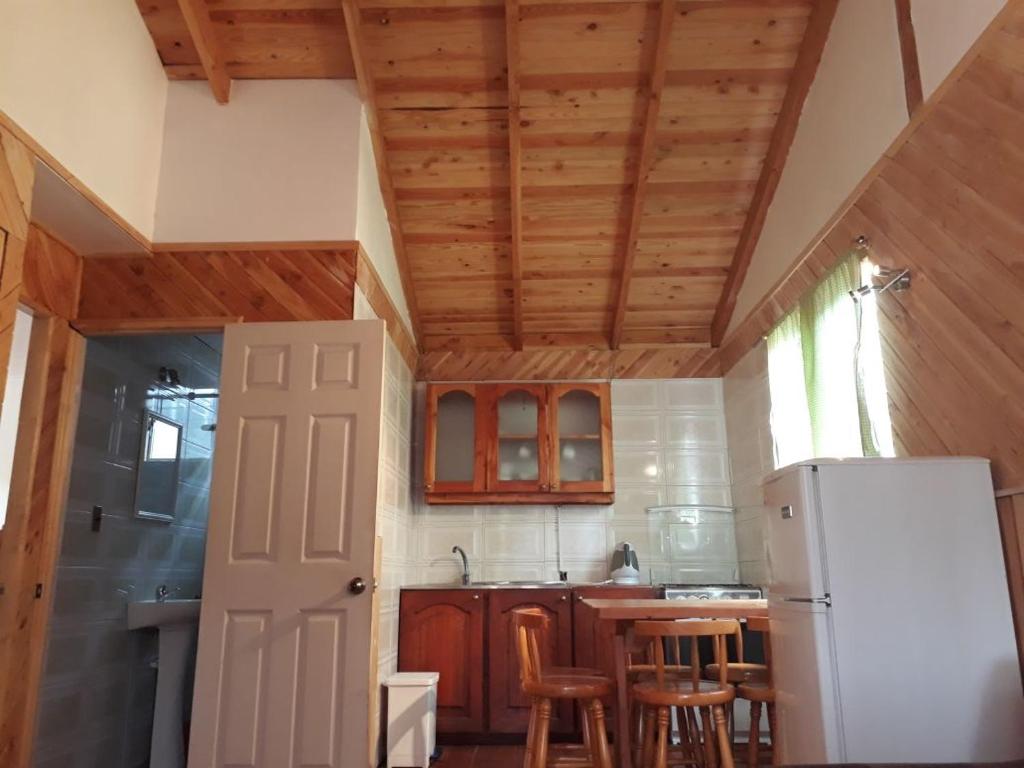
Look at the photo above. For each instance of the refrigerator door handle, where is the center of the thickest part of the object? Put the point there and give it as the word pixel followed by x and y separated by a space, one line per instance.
pixel 826 600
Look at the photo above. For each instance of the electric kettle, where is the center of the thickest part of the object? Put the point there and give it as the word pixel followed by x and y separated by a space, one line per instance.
pixel 625 567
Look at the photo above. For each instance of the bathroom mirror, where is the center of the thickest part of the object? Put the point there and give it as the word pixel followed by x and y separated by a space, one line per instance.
pixel 156 478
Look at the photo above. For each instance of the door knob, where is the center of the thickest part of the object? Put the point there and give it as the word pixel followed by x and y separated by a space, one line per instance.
pixel 357 586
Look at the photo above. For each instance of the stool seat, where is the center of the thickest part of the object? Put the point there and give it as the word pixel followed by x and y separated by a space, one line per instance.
pixel 683 693
pixel 738 672
pixel 756 691
pixel 569 687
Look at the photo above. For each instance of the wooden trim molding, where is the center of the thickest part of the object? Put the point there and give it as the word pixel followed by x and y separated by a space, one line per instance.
pixel 273 245
pixel 367 90
pixel 908 54
pixel 200 28
pixel 804 70
pixel 31 542
pixel 137 325
pixel 376 294
pixel 644 163
pixel 1010 508
pixel 515 166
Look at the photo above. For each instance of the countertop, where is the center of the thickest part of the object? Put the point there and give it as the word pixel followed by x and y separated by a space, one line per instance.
pixel 633 610
pixel 523 585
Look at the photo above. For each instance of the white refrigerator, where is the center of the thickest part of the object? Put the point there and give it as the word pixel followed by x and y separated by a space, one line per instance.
pixel 891 630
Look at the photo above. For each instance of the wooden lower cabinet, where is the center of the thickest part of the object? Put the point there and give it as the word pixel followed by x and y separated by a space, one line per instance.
pixel 509 709
pixel 466 635
pixel 443 631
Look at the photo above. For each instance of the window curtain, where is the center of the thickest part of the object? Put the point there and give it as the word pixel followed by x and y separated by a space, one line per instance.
pixel 825 373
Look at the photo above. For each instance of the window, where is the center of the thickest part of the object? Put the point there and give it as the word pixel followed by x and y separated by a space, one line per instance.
pixel 825 372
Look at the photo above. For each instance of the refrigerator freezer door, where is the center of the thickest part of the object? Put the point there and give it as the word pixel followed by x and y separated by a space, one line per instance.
pixel 795 567
pixel 808 724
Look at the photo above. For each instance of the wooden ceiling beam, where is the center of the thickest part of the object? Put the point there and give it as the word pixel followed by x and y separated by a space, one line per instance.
pixel 515 150
pixel 643 168
pixel 804 70
pixel 364 78
pixel 204 38
pixel 908 54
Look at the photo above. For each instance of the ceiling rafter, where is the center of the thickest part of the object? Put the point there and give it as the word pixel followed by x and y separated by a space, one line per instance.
pixel 908 55
pixel 364 77
pixel 806 67
pixel 643 167
pixel 515 148
pixel 200 27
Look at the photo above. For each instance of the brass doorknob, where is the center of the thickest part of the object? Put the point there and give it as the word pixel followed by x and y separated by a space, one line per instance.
pixel 357 586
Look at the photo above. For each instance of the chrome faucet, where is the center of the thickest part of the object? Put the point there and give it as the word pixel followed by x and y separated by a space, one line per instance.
pixel 465 564
pixel 161 593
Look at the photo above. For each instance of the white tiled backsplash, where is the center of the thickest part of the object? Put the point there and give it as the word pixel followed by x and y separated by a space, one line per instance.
pixel 670 448
pixel 747 418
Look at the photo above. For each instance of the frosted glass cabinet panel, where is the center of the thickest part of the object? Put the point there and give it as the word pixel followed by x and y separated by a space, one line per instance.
pixel 455 455
pixel 581 460
pixel 521 418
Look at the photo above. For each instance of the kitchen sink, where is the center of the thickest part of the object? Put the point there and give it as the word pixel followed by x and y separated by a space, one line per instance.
pixel 525 584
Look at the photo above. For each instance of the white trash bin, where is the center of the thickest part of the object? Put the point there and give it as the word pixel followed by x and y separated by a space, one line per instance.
pixel 412 718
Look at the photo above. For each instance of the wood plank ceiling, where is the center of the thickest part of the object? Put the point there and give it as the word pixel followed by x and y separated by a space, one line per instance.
pixel 557 173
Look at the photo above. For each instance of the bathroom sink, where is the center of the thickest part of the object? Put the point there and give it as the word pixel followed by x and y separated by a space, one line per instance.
pixel 162 613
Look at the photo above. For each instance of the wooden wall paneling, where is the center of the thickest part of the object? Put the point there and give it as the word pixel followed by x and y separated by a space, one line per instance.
pixel 51 276
pixel 515 169
pixel 562 364
pixel 367 89
pixel 908 55
pixel 204 38
pixel 17 177
pixel 645 158
pixel 1010 507
pixel 268 285
pixel 782 138
pixel 31 541
pixel 376 294
pixel 132 326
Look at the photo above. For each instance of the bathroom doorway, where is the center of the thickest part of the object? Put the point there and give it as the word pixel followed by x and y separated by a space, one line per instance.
pixel 134 530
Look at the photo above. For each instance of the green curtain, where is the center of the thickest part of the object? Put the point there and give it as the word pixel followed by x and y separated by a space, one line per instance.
pixel 829 324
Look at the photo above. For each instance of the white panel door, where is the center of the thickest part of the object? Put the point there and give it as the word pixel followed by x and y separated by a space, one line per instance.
pixel 283 669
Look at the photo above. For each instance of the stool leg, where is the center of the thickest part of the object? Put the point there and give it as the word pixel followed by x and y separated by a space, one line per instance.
pixel 531 734
pixel 540 756
pixel 585 717
pixel 662 760
pixel 599 736
pixel 695 743
pixel 772 730
pixel 754 744
pixel 707 737
pixel 723 736
pixel 650 716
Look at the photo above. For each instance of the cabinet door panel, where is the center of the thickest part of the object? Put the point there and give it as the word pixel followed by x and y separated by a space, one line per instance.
pixel 517 438
pixel 581 438
pixel 443 631
pixel 509 708
pixel 455 450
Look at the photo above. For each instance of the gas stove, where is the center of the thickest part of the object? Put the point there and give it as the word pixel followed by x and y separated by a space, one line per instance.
pixel 712 592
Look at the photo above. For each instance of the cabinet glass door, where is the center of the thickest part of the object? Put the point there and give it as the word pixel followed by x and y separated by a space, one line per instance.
pixel 453 461
pixel 582 455
pixel 520 416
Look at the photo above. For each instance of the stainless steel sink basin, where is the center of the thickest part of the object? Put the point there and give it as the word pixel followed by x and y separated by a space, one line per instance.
pixel 527 584
pixel 517 584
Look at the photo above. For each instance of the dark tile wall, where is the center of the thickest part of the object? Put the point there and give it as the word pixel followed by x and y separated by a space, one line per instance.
pixel 96 703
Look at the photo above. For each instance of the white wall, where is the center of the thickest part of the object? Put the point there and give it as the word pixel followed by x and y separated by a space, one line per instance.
pixel 372 224
pixel 945 29
pixel 83 79
pixel 854 110
pixel 279 162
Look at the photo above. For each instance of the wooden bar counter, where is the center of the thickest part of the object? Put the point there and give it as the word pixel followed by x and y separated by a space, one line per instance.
pixel 625 612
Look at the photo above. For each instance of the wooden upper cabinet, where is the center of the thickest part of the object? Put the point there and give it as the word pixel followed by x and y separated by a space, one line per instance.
pixel 519 444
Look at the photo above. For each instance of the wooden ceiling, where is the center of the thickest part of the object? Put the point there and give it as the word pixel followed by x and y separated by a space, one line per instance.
pixel 557 173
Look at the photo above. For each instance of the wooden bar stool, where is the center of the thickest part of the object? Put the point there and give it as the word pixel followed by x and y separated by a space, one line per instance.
pixel 758 692
pixel 546 685
pixel 665 691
